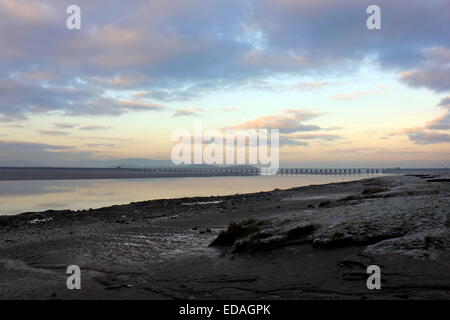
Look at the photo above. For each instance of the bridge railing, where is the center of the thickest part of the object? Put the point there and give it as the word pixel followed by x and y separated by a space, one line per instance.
pixel 295 171
pixel 256 171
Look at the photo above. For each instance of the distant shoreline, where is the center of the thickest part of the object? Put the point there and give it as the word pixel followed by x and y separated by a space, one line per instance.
pixel 26 174
pixel 54 173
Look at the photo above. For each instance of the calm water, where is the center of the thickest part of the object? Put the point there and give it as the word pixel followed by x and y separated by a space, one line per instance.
pixel 24 196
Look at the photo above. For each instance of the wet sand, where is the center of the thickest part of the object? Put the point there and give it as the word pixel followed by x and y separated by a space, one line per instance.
pixel 310 242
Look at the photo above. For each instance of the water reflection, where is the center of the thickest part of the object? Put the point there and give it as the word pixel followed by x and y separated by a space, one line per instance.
pixel 25 196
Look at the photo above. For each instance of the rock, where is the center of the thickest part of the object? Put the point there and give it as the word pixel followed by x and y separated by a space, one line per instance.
pixel 412 219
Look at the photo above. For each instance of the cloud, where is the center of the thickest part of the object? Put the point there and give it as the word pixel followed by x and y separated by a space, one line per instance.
pixel 11 145
pixel 445 102
pixel 17 152
pixel 281 62
pixel 20 99
pixel 424 137
pixel 433 72
pixel 185 48
pixel 261 84
pixel 100 145
pixel 67 125
pixel 292 142
pixel 287 122
pixel 436 78
pixel 330 31
pixel 354 150
pixel 357 94
pixel 187 112
pixel 93 138
pixel 442 122
pixel 319 136
pixel 109 106
pixel 53 133
pixel 300 139
pixel 311 86
pixel 11 117
pixel 64 125
pixel 95 127
pixel 291 126
pixel 119 81
pixel 172 94
pixel 431 133
pixel 30 12
pixel 376 151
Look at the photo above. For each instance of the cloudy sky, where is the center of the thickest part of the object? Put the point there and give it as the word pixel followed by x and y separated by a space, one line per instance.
pixel 339 93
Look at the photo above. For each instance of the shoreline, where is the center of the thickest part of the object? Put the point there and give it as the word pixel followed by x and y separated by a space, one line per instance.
pixel 54 173
pixel 161 249
pixel 32 174
pixel 83 194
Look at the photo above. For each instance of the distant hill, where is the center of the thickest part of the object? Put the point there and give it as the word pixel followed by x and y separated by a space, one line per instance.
pixel 114 163
pixel 19 163
pixel 125 163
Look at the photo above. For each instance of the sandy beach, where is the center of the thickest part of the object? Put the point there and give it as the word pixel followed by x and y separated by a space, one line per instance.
pixel 311 242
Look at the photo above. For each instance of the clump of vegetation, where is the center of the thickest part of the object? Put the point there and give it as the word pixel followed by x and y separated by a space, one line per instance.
pixel 261 242
pixel 234 232
pixel 252 247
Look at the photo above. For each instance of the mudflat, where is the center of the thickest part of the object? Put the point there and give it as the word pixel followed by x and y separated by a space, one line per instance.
pixel 311 242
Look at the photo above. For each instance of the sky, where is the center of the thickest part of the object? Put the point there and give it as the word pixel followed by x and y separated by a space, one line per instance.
pixel 340 94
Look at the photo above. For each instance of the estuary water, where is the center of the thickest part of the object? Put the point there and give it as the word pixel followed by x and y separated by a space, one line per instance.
pixel 41 195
